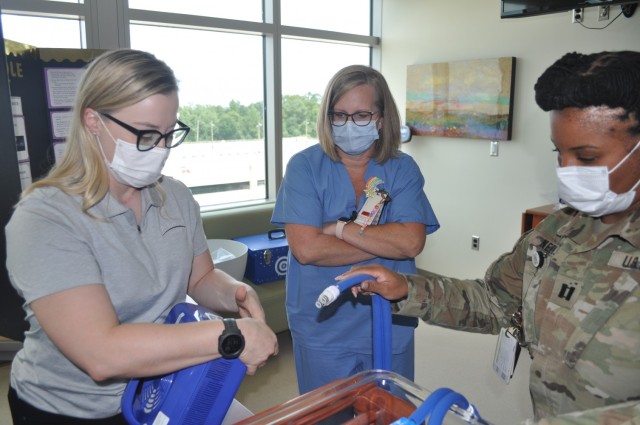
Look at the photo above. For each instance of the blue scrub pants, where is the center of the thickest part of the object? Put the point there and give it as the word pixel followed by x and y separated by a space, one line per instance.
pixel 316 368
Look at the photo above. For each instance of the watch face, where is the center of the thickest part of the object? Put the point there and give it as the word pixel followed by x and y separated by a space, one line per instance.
pixel 231 346
pixel 232 343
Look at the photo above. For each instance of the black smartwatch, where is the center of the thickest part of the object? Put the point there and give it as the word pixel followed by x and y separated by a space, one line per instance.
pixel 231 341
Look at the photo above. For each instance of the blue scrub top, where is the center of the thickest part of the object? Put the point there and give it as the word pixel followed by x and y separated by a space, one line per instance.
pixel 317 190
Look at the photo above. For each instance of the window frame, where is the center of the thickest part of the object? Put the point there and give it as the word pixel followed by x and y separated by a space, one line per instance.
pixel 111 31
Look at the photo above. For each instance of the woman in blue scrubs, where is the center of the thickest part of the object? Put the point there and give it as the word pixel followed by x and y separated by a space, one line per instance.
pixel 352 199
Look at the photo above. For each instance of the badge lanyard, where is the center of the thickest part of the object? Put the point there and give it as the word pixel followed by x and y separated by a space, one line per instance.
pixel 371 211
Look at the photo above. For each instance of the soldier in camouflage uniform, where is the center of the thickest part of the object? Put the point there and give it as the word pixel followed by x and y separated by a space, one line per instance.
pixel 576 276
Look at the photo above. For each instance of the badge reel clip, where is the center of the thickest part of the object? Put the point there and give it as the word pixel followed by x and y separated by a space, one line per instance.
pixel 371 211
pixel 510 342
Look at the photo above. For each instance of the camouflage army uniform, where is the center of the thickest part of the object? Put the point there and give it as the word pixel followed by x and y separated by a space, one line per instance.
pixel 578 282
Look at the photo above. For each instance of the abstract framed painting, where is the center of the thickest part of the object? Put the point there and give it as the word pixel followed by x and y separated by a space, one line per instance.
pixel 466 99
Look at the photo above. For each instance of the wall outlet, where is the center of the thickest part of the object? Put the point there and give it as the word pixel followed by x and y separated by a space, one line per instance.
pixel 577 15
pixel 475 243
pixel 603 13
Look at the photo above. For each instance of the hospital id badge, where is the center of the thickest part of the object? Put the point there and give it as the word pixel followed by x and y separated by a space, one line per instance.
pixel 506 355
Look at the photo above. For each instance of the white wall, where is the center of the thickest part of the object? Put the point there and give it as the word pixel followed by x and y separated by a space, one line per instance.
pixel 471 192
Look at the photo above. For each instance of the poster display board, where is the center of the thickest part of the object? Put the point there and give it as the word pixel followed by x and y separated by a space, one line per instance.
pixel 44 80
pixel 35 112
pixel 20 133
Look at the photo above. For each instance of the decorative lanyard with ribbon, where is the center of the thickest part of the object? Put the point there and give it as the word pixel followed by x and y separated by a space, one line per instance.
pixel 371 211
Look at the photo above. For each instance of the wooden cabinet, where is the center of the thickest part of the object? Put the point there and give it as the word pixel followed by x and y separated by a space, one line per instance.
pixel 533 216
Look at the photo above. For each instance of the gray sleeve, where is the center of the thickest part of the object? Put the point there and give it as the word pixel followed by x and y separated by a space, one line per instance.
pixel 46 250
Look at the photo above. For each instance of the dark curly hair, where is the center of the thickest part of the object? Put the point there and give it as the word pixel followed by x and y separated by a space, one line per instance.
pixel 610 79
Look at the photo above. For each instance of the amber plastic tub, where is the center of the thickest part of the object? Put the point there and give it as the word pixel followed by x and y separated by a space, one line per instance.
pixel 369 397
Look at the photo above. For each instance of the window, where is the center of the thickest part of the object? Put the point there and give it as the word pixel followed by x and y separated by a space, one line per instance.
pixel 352 16
pixel 245 10
pixel 301 96
pixel 251 74
pixel 53 32
pixel 221 99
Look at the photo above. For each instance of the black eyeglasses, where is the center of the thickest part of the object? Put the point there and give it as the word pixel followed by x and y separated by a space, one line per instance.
pixel 359 118
pixel 149 139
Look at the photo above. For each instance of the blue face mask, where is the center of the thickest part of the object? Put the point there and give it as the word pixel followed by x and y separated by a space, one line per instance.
pixel 353 139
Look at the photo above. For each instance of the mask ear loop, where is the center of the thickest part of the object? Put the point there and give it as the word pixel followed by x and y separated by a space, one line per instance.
pixel 104 156
pixel 635 186
pixel 113 139
pixel 625 158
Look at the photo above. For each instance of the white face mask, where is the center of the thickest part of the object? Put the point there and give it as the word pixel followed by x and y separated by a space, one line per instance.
pixel 587 189
pixel 354 139
pixel 133 167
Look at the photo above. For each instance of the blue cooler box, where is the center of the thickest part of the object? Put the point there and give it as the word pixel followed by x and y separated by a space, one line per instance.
pixel 267 257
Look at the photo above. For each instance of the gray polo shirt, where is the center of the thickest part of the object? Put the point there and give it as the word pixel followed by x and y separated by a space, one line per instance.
pixel 53 246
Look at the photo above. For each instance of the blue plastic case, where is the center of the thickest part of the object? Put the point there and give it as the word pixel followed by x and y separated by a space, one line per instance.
pixel 196 395
pixel 267 257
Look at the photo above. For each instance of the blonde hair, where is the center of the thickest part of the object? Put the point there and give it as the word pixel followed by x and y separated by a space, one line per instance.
pixel 346 79
pixel 112 81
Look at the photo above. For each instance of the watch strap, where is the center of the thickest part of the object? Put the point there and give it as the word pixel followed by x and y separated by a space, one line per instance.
pixel 340 227
pixel 230 325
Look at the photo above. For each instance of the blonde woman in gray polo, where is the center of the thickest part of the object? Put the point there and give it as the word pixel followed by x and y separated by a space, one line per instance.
pixel 104 246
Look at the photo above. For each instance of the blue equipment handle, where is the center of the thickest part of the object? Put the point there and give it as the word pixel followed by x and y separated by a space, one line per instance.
pixel 381 333
pixel 442 407
pixel 434 409
pixel 381 318
pixel 425 409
